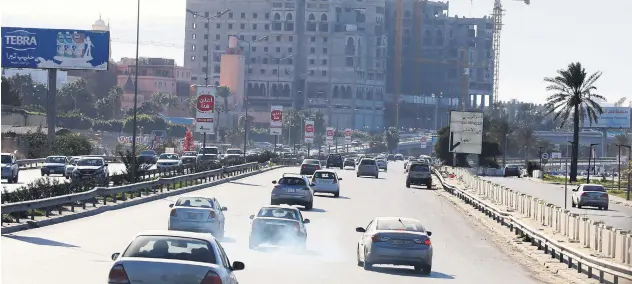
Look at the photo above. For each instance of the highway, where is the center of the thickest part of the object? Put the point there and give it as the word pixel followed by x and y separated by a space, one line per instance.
pixel 28 176
pixel 462 254
pixel 618 216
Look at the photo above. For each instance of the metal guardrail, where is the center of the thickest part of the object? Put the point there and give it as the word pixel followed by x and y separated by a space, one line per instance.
pixel 35 163
pixel 581 262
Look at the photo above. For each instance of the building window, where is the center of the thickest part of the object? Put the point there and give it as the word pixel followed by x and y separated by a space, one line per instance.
pixel 311 61
pixel 249 70
pixel 193 47
pixel 217 69
pixel 253 38
pixel 291 38
pixel 325 39
pixel 194 26
pixel 192 58
pixel 241 37
pixel 274 71
pixel 324 50
pixel 206 25
pixel 230 15
pixel 243 15
pixel 254 15
pixel 262 71
pixel 312 50
pixel 242 26
pixel 266 27
pixel 324 61
pixel 265 60
pixel 265 49
pixel 253 60
pixel 254 49
pixel 204 69
pixel 193 36
pixel 323 73
pixel 218 26
pixel 278 38
pixel 254 26
pixel 278 49
pixel 289 50
pixel 313 39
pixel 205 36
pixel 267 16
pixel 218 37
pixel 205 47
pixel 289 61
pixel 205 58
pixel 230 26
pixel 217 47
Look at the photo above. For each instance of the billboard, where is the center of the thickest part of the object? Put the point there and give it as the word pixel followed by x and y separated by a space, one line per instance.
pixel 309 131
pixel 276 120
pixel 205 110
pixel 423 141
pixel 612 117
pixel 330 136
pixel 466 132
pixel 348 136
pixel 55 49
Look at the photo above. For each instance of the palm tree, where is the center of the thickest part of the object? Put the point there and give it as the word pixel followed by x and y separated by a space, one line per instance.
pixel 573 96
pixel 527 138
pixel 224 92
pixel 501 130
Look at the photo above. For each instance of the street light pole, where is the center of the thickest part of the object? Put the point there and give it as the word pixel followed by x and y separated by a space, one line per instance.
pixel 589 158
pixel 134 118
pixel 629 147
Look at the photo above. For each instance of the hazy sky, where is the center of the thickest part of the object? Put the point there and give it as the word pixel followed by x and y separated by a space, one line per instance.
pixel 536 40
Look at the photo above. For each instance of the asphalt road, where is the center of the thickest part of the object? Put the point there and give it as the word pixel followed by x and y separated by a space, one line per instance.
pixel 619 216
pixel 461 253
pixel 28 176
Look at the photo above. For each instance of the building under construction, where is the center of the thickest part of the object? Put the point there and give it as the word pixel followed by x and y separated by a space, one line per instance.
pixel 446 62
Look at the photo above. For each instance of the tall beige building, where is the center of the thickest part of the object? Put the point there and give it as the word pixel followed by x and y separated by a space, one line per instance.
pixel 318 54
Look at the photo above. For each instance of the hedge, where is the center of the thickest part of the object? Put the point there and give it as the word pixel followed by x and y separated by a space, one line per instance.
pixel 75 120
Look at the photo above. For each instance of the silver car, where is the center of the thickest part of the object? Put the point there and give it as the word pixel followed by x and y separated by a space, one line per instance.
pixel 326 181
pixel 368 167
pixel 172 257
pixel 278 225
pixel 71 166
pixel 594 195
pixel 293 189
pixel 198 214
pixel 395 241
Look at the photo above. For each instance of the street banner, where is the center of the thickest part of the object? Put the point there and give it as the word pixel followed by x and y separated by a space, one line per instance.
pixel 309 131
pixel 330 136
pixel 205 110
pixel 424 141
pixel 348 136
pixel 276 120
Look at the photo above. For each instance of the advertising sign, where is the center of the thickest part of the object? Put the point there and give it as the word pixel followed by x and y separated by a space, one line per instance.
pixel 309 131
pixel 276 120
pixel 348 136
pixel 612 117
pixel 55 49
pixel 330 136
pixel 466 132
pixel 424 142
pixel 205 110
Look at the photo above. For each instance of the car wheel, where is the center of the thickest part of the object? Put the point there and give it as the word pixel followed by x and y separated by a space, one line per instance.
pixel 573 203
pixel 605 208
pixel 366 265
pixel 579 206
pixel 310 205
pixel 357 175
pixel 360 263
pixel 423 269
pixel 337 194
pixel 376 176
pixel 408 184
pixel 15 180
pixel 252 244
pixel 429 185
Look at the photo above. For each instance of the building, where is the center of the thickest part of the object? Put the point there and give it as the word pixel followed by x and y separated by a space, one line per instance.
pixel 156 75
pixel 436 50
pixel 328 55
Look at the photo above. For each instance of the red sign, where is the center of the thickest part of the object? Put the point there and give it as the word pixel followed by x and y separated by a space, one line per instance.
pixel 423 138
pixel 206 103
pixel 309 128
pixel 330 133
pixel 276 115
pixel 348 133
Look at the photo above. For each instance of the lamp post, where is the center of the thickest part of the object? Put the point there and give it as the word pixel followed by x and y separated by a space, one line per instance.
pixel 134 116
pixel 589 158
pixel 629 147
pixel 540 165
pixel 566 177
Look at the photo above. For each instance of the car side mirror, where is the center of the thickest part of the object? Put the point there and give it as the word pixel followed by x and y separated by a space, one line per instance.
pixel 171 205
pixel 574 189
pixel 224 209
pixel 115 255
pixel 274 182
pixel 306 221
pixel 312 184
pixel 360 230
pixel 252 217
pixel 429 233
pixel 339 178
pixel 106 164
pixel 238 265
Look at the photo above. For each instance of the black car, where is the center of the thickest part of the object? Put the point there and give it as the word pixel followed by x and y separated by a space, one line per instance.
pixel 335 160
pixel 512 171
pixel 147 157
pixel 309 166
pixel 349 162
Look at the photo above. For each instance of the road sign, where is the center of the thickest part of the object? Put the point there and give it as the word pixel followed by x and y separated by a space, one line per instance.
pixel 424 142
pixel 556 155
pixel 348 136
pixel 466 132
pixel 276 120
pixel 330 136
pixel 309 131
pixel 545 156
pixel 205 110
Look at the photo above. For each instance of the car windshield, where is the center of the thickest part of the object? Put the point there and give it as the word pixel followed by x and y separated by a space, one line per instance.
pixel 6 159
pixel 284 213
pixel 209 150
pixel 292 181
pixel 56 160
pixel 148 153
pixel 597 188
pixel 401 225
pixel 380 160
pixel 312 162
pixel 168 157
pixel 367 162
pixel 189 154
pixel 335 156
pixel 90 162
pixel 197 202
pixel 171 247
pixel 350 160
pixel 233 151
pixel 419 168
pixel 324 175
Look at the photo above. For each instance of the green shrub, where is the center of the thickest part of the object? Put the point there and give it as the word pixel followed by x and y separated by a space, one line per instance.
pixel 74 120
pixel 108 125
pixel 72 145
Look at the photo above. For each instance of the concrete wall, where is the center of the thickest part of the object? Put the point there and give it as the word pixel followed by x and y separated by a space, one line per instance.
pixel 23 120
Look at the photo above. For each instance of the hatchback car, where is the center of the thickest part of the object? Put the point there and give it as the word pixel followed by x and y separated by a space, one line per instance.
pixel 382 164
pixel 198 214
pixel 335 160
pixel 419 174
pixel 395 241
pixel 293 189
pixel 349 162
pixel 278 225
pixel 173 257
pixel 368 167
pixel 309 166
pixel 326 181
pixel 594 195
pixel 512 171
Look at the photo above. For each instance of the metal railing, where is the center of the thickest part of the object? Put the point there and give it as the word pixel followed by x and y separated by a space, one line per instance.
pixel 612 242
pixel 36 163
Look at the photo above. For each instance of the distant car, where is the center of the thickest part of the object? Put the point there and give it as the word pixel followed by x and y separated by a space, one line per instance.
pixel 335 160
pixel 309 166
pixel 326 181
pixel 593 195
pixel 368 167
pixel 349 162
pixel 512 171
pixel 382 164
pixel 233 152
pixel 173 257
pixel 278 225
pixel 71 166
pixel 189 157
pixel 167 160
pixel 54 165
pixel 92 168
pixel 399 157
pixel 208 154
pixel 396 241
pixel 147 157
pixel 293 189
pixel 419 174
pixel 198 214
pixel 10 168
pixel 408 161
pixel 390 157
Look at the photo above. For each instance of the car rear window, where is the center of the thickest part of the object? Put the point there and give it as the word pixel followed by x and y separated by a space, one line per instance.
pixel 6 159
pixel 367 162
pixel 278 213
pixel 419 168
pixel 594 188
pixel 195 202
pixel 311 162
pixel 170 247
pixel 59 160
pixel 292 181
pixel 400 225
pixel 324 175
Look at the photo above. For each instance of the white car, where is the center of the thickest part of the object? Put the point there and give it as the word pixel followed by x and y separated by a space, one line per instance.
pixel 71 166
pixel 326 181
pixel 168 160
pixel 382 164
pixel 173 257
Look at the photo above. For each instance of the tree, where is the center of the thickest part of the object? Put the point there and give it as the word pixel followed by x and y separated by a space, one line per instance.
pixel 189 143
pixel 72 145
pixel 75 96
pixel 31 93
pixel 501 130
pixel 526 140
pixel 224 92
pixel 391 136
pixel 293 125
pixel 10 96
pixel 573 95
pixel 108 107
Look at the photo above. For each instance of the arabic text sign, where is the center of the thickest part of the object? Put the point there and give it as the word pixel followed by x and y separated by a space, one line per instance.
pixel 612 117
pixel 55 49
pixel 466 132
pixel 348 135
pixel 309 131
pixel 276 120
pixel 205 110
pixel 330 136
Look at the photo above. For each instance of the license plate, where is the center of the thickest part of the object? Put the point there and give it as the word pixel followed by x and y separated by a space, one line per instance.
pixel 291 190
pixel 399 242
pixel 194 215
pixel 324 181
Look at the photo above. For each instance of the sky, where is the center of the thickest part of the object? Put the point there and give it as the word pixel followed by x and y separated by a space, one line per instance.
pixel 537 39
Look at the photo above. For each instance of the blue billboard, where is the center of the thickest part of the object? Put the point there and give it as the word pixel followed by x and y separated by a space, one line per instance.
pixel 612 117
pixel 55 49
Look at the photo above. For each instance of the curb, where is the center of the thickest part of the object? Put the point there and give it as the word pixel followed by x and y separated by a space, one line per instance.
pixel 119 205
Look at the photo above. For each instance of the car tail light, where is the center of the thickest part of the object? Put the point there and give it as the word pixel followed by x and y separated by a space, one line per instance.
pixel 335 180
pixel 604 195
pixel 425 242
pixel 211 278
pixel 585 194
pixel 377 239
pixel 173 213
pixel 297 226
pixel 118 275
pixel 304 166
pixel 212 215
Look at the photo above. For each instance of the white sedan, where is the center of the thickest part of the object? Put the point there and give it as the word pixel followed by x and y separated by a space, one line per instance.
pixel 168 160
pixel 326 181
pixel 173 257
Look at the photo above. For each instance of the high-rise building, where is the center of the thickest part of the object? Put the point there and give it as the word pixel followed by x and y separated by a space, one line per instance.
pixel 326 54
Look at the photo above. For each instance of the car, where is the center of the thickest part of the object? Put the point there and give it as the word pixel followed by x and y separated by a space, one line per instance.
pixel 382 164
pixel 395 241
pixel 233 152
pixel 198 214
pixel 189 157
pixel 10 168
pixel 408 161
pixel 278 224
pixel 54 165
pixel 293 189
pixel 368 167
pixel 147 157
pixel 335 160
pixel 173 257
pixel 92 168
pixel 399 157
pixel 167 160
pixel 326 181
pixel 208 154
pixel 349 162
pixel 512 171
pixel 71 166
pixel 390 157
pixel 419 174
pixel 309 166
pixel 594 195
